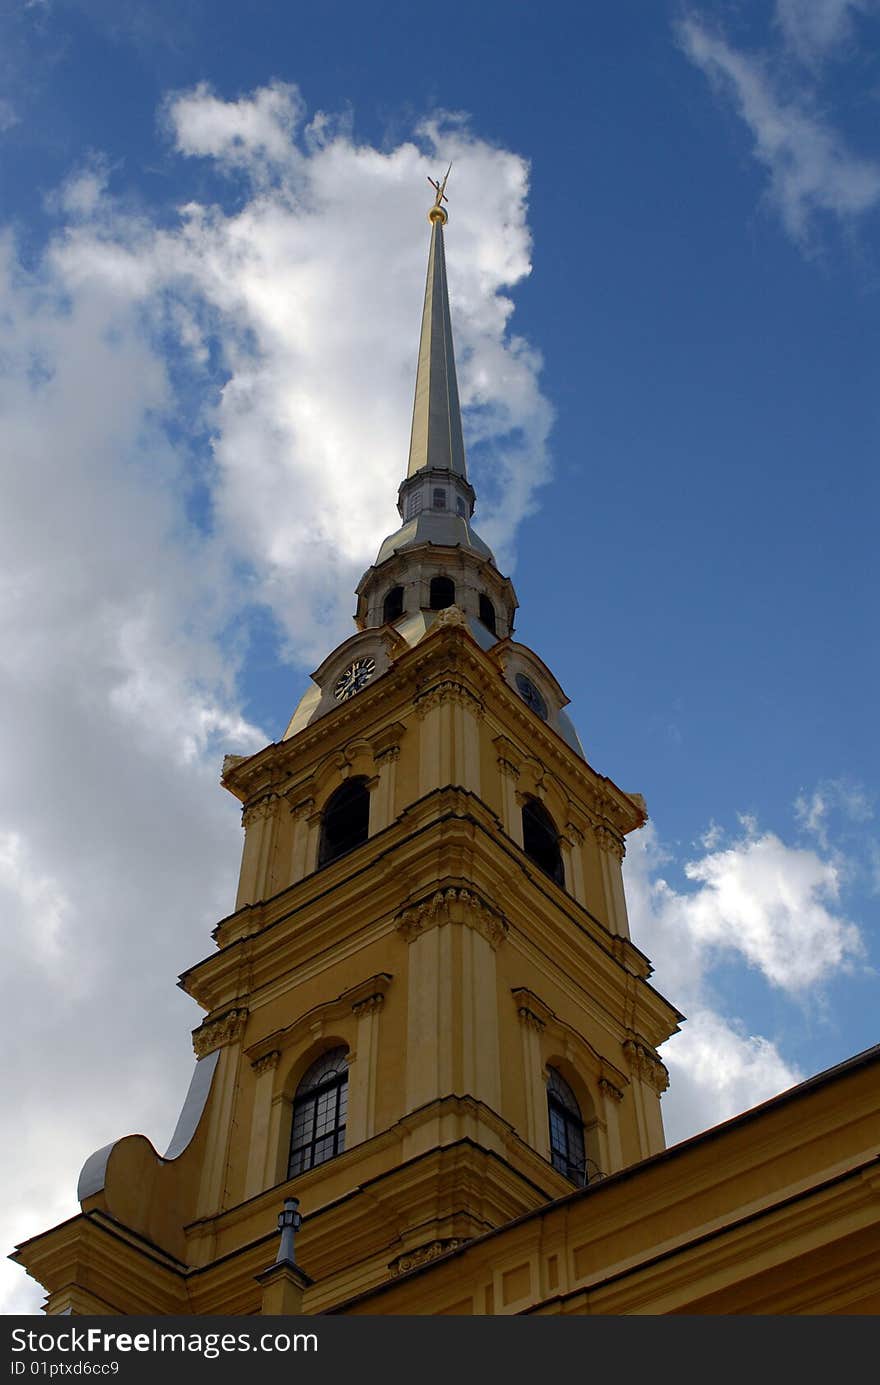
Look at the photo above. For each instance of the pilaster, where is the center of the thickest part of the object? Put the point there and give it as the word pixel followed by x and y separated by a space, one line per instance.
pixel 649 1080
pixel 534 1077
pixel 611 853
pixel 258 823
pixel 363 1070
pixel 259 1175
pixel 452 1017
pixel 302 812
pixel 508 768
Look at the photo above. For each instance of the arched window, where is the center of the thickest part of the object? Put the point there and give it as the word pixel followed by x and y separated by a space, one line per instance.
pixel 487 613
pixel 541 840
pixel 567 1150
pixel 346 820
pixel 319 1109
pixel 442 593
pixel 392 608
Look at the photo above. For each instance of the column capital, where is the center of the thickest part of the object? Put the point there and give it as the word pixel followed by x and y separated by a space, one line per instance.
pixel 609 841
pixel 452 905
pixel 368 1004
pixel 216 1033
pixel 647 1065
pixel 267 1063
pixel 258 810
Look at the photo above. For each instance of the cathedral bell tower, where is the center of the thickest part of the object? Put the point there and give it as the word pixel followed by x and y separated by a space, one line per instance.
pixel 425 1016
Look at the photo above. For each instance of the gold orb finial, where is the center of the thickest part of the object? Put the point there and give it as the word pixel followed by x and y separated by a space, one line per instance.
pixel 438 212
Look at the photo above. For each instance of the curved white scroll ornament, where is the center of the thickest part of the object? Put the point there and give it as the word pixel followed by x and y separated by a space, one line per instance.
pixel 94 1171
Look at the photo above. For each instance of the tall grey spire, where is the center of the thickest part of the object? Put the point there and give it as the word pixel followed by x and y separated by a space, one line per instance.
pixel 436 440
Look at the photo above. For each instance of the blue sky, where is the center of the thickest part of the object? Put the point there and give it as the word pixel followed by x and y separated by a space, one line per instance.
pixel 663 261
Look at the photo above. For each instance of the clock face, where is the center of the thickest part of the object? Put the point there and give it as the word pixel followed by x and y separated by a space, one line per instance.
pixel 355 677
pixel 529 693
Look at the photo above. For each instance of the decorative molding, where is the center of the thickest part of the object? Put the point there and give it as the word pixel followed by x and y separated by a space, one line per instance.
pixel 302 808
pixel 609 840
pixel 386 746
pixel 647 1065
pixel 576 1049
pixel 216 1033
pixel 532 1012
pixel 370 1002
pixel 256 812
pixel 412 1259
pixel 314 1021
pixel 530 1019
pixel 450 690
pixel 451 615
pixel 509 757
pixel 452 906
pixel 608 1089
pixel 267 1063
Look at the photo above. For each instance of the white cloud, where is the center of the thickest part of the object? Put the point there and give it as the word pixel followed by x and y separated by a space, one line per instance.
pixel 773 906
pixel 811 169
pixel 256 133
pixel 813 29
pixel 129 556
pixel 842 797
pixel 715 1072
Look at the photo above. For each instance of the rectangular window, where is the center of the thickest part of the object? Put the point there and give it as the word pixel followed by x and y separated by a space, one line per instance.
pixel 439 501
pixel 414 504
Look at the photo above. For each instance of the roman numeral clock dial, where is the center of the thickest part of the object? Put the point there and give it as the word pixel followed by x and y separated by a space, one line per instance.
pixel 353 678
pixel 530 694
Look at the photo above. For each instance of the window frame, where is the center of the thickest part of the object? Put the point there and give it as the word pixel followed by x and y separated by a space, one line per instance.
pixel 538 815
pixel 568 1135
pixel 307 1098
pixel 324 858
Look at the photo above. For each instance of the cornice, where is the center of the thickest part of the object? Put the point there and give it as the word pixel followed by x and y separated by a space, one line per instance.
pixel 448 644
pixel 535 1013
pixel 367 994
pixel 332 908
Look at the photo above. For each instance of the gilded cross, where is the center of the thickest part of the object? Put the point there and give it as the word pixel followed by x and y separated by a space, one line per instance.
pixel 440 188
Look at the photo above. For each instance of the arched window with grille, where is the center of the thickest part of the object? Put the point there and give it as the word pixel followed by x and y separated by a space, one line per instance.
pixel 319 1110
pixel 541 840
pixel 442 593
pixel 567 1149
pixel 346 820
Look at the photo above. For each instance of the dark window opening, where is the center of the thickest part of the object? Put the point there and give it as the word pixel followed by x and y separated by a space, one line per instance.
pixel 541 840
pixel 442 593
pixel 319 1112
pixel 439 501
pixel 487 613
pixel 567 1150
pixel 346 821
pixel 460 506
pixel 393 605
